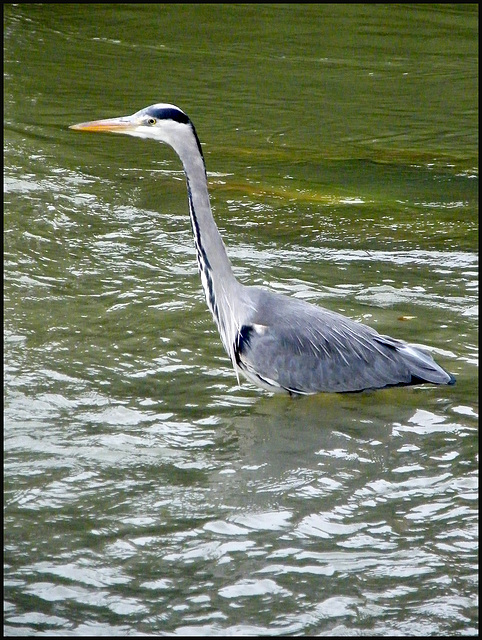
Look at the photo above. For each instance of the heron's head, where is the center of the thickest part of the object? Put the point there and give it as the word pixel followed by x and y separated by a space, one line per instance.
pixel 161 122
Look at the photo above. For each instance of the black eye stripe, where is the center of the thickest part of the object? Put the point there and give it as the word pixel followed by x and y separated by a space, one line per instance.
pixel 168 114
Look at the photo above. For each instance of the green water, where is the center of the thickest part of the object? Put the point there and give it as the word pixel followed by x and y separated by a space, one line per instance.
pixel 145 491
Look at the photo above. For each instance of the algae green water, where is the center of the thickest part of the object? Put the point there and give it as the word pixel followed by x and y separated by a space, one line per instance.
pixel 145 492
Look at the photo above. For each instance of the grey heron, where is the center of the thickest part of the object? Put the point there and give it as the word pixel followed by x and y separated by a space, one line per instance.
pixel 280 343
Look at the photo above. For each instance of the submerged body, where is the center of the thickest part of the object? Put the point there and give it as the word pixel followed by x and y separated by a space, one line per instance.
pixel 280 343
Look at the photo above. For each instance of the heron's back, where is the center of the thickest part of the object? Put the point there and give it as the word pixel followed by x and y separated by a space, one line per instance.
pixel 290 345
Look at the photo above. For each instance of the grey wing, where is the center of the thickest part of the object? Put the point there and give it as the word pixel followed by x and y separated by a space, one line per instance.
pixel 307 349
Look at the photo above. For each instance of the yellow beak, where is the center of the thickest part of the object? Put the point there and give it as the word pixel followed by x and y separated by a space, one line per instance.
pixel 111 124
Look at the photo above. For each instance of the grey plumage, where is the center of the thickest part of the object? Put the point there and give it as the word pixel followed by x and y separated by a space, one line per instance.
pixel 279 343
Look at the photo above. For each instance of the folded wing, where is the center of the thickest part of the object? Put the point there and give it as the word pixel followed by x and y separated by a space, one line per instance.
pixel 308 349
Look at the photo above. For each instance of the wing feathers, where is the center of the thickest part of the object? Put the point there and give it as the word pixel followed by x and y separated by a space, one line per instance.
pixel 307 349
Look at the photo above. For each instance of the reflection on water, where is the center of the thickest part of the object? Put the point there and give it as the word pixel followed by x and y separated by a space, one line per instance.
pixel 176 521
pixel 146 514
pixel 145 492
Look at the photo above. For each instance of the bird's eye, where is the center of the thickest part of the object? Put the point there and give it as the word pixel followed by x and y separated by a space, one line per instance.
pixel 151 121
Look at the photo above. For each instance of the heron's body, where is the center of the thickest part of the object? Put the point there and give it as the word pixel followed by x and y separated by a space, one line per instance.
pixel 279 343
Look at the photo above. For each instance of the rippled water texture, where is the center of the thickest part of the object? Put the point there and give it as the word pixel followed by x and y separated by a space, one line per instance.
pixel 146 493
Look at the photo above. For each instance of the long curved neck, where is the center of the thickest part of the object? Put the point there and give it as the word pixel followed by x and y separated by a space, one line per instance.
pixel 211 252
pixel 219 284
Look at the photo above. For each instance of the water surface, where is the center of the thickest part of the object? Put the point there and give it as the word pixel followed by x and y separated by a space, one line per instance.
pixel 145 491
